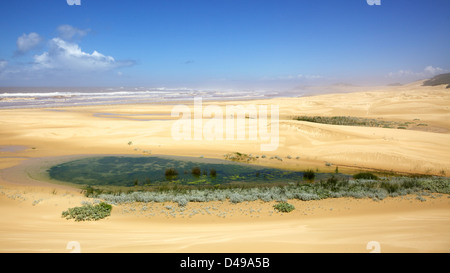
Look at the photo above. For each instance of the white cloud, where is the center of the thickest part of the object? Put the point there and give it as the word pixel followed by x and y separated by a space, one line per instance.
pixel 3 64
pixel 26 42
pixel 433 70
pixel 69 56
pixel 427 72
pixel 63 62
pixel 67 32
pixel 297 77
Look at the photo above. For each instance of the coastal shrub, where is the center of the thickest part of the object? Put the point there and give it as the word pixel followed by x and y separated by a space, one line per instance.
pixel 91 192
pixel 337 194
pixel 196 171
pixel 369 176
pixel 409 183
pixel 88 212
pixel 307 196
pixel 421 198
pixel 330 183
pixel 284 207
pixel 378 194
pixel 348 120
pixel 171 173
pixel 343 183
pixel 309 175
pixel 364 184
pixel 266 197
pixel 390 186
pixel 438 185
pixel 198 196
pixel 236 198
pixel 331 187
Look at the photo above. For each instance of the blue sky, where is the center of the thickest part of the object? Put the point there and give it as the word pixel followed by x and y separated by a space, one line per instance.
pixel 222 43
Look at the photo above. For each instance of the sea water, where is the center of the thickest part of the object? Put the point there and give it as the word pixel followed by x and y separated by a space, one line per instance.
pixel 39 97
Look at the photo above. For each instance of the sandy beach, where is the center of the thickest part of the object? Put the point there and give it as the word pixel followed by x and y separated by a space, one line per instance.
pixel 31 140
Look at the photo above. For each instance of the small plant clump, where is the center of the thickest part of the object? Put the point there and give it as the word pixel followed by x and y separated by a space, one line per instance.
pixel 88 212
pixel 240 157
pixel 213 173
pixel 369 176
pixel 196 171
pixel 171 173
pixel 284 207
pixel 309 175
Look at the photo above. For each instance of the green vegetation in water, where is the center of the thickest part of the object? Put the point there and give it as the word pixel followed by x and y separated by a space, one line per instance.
pixel 118 180
pixel 284 207
pixel 309 175
pixel 88 212
pixel 157 171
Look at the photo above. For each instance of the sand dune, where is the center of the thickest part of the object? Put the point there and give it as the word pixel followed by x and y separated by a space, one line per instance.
pixel 30 208
pixel 338 225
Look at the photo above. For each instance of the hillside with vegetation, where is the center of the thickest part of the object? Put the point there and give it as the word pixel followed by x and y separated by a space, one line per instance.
pixel 438 80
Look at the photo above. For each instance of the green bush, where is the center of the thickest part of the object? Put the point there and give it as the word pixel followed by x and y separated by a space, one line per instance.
pixel 390 186
pixel 88 212
pixel 284 207
pixel 196 171
pixel 171 173
pixel 92 192
pixel 309 175
pixel 331 183
pixel 369 176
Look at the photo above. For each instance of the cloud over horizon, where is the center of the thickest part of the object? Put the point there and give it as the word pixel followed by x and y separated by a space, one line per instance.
pixel 68 32
pixel 3 64
pixel 69 56
pixel 27 42
pixel 408 75
pixel 62 59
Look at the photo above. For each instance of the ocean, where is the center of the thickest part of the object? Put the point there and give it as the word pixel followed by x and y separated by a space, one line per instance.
pixel 42 97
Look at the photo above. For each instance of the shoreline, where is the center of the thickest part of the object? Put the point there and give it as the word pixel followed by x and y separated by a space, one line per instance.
pixel 257 94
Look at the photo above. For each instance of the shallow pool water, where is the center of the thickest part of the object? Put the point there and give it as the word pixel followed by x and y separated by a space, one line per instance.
pixel 159 170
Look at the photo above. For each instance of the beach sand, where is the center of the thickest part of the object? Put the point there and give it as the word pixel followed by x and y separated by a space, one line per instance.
pixel 31 206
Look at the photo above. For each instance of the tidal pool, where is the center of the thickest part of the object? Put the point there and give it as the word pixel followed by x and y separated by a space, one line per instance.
pixel 160 170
